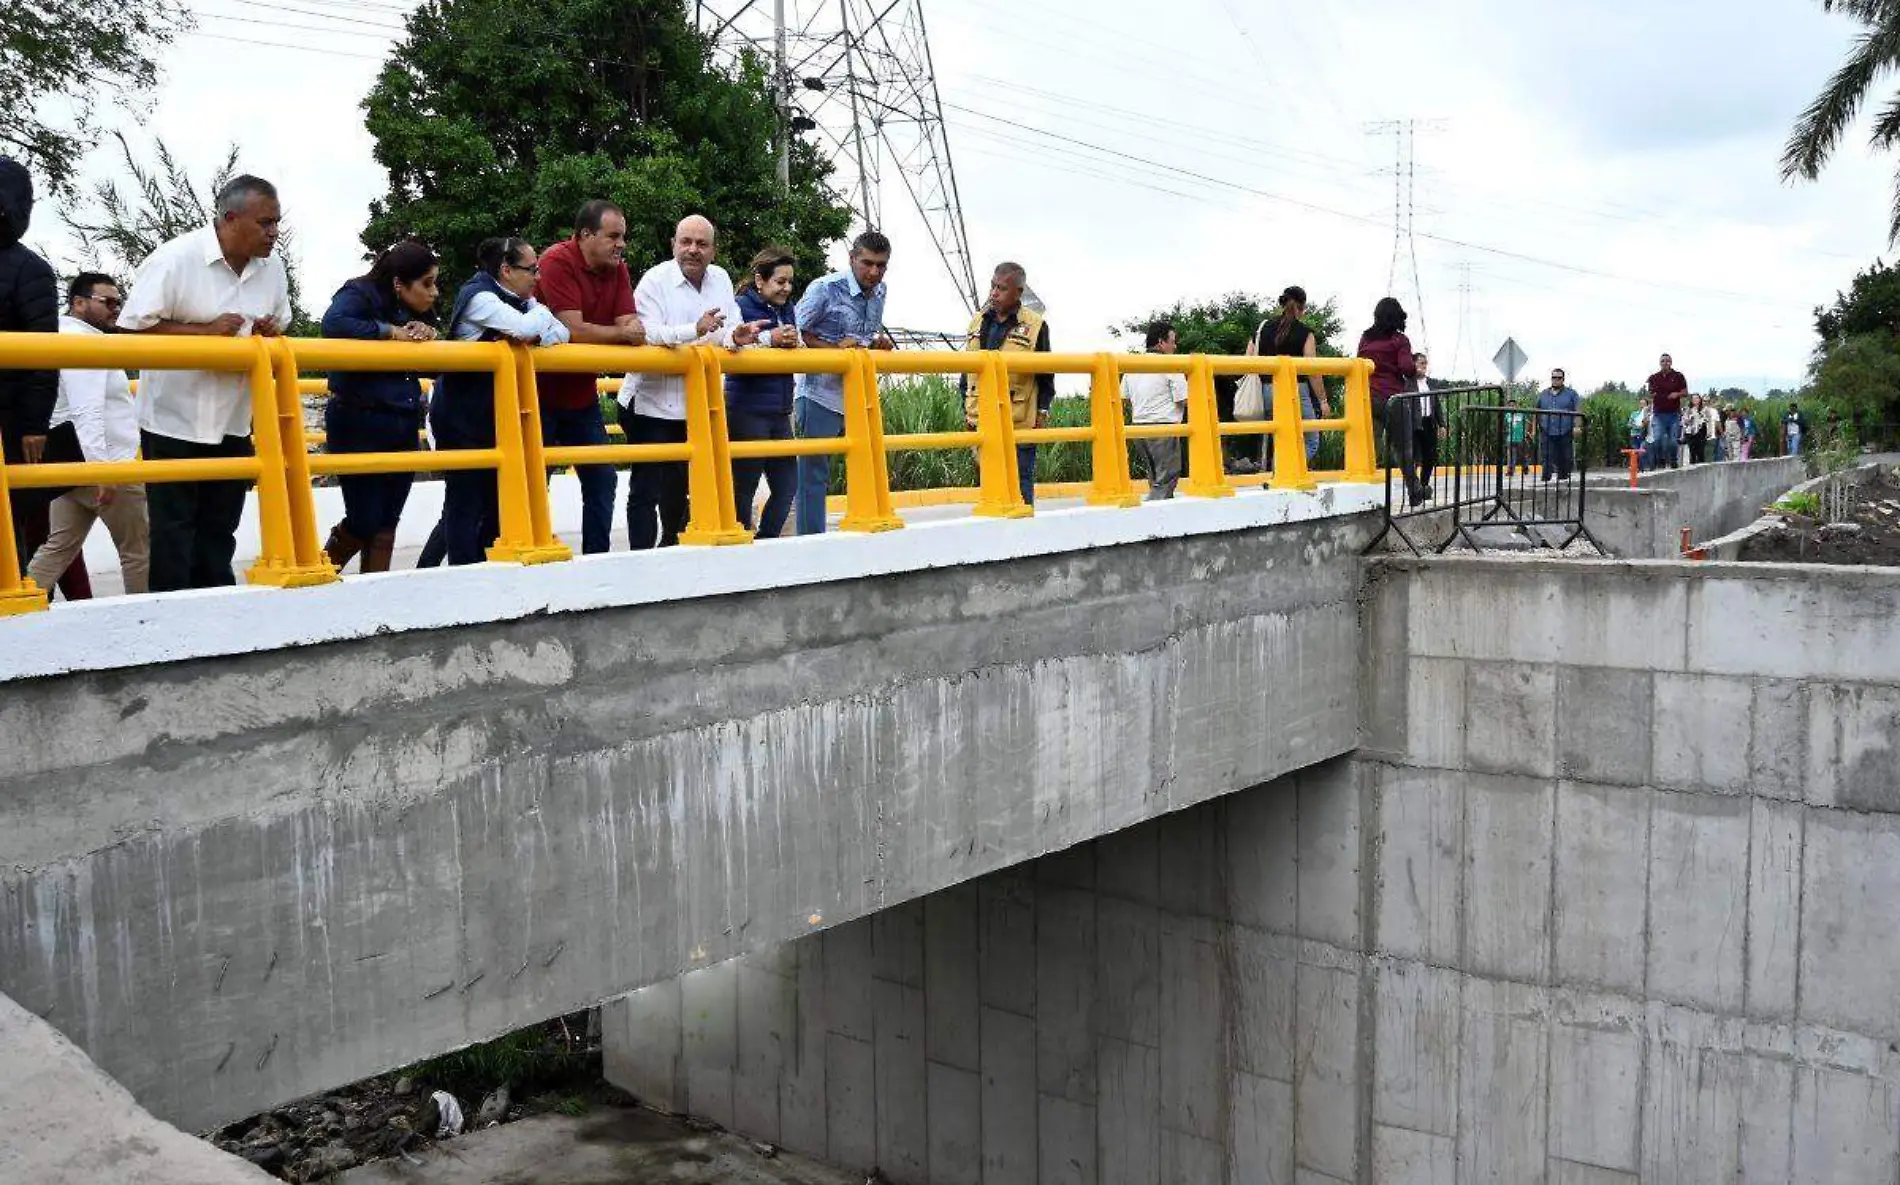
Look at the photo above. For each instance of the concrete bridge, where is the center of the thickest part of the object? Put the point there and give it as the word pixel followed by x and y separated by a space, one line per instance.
pixel 1171 844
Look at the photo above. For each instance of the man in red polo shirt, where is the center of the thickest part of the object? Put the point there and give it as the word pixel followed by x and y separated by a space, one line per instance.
pixel 1666 389
pixel 584 282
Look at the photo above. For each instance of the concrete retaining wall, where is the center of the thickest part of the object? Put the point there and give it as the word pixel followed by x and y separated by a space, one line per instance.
pixel 1646 523
pixel 237 881
pixel 1605 900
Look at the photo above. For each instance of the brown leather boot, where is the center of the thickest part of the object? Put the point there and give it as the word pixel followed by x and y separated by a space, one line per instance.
pixel 342 547
pixel 376 555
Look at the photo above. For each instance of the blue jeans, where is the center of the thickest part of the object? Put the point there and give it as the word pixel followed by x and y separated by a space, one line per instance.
pixel 1666 453
pixel 575 426
pixel 471 509
pixel 372 502
pixel 780 473
pixel 814 422
pixel 1026 470
pixel 1309 407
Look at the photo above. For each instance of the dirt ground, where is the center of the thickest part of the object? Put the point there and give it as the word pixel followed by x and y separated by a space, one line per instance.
pixel 1873 508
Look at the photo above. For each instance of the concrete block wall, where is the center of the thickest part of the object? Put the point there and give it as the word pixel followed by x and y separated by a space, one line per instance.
pixel 1606 898
pixel 1636 831
pixel 1711 500
pixel 1134 1010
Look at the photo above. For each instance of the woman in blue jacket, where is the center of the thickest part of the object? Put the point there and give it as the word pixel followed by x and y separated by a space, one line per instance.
pixel 378 411
pixel 759 406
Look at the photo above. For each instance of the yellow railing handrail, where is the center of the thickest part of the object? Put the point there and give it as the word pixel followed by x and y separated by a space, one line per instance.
pixel 290 556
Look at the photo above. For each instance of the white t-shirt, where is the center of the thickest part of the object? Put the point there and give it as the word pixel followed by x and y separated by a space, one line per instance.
pixel 99 406
pixel 187 279
pixel 1155 398
pixel 669 307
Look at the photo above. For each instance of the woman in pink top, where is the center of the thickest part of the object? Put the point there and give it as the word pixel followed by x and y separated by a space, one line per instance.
pixel 1395 372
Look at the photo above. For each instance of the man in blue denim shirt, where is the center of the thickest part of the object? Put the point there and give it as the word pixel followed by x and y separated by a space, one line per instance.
pixel 843 310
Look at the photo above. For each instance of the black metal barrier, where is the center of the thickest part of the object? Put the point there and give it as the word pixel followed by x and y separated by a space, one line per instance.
pixel 1460 461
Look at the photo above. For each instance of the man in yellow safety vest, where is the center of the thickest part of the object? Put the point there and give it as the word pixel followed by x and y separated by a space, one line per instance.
pixel 1006 324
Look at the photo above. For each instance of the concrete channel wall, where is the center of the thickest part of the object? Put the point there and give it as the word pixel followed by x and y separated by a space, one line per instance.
pixel 1605 899
pixel 1711 500
pixel 235 881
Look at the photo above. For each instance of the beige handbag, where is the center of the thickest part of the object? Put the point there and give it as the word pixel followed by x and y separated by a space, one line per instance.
pixel 1250 397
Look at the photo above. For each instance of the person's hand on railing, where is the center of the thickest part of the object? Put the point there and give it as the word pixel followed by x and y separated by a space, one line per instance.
pixel 267 327
pixel 883 342
pixel 785 337
pixel 710 322
pixel 32 448
pixel 748 333
pixel 415 331
pixel 633 333
pixel 226 325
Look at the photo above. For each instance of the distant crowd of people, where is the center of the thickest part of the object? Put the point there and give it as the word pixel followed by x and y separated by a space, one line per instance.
pixel 1666 434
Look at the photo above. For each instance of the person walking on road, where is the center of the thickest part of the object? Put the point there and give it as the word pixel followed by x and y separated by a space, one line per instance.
pixel 1557 406
pixel 844 310
pixel 1158 399
pixel 1288 335
pixel 1666 389
pixel 1394 373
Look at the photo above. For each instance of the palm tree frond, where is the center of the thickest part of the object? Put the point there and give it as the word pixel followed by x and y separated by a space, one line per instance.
pixel 1818 132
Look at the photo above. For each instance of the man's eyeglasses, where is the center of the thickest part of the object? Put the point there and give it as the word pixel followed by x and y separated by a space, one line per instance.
pixel 533 269
pixel 115 303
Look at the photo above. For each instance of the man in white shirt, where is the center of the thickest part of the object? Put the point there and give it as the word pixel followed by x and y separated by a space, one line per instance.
pixel 223 280
pixel 1158 399
pixel 687 300
pixel 99 406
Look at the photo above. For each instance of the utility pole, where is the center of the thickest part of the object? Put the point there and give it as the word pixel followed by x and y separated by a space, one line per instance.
pixel 1404 134
pixel 782 91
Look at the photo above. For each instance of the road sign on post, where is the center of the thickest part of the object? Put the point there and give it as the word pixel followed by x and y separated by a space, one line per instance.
pixel 1510 359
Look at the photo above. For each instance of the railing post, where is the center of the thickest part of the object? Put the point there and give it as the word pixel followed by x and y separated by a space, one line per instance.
pixel 867 470
pixel 517 488
pixel 999 483
pixel 1362 462
pixel 18 594
pixel 1289 440
pixel 1207 474
pixel 286 510
pixel 715 519
pixel 534 458
pixel 1111 484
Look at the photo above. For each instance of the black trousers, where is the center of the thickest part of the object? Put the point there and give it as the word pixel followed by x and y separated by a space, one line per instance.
pixel 656 495
pixel 194 523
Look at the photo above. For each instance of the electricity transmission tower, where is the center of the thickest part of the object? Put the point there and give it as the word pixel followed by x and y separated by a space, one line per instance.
pixel 1404 133
pixel 858 73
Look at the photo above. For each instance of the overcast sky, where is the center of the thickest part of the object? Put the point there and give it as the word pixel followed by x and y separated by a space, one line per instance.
pixel 1607 172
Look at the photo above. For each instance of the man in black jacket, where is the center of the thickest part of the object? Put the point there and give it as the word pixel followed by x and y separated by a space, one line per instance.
pixel 29 303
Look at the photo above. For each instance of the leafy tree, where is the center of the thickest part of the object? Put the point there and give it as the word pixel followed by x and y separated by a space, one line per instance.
pixel 1225 326
pixel 1731 394
pixel 503 116
pixel 1858 380
pixel 78 53
pixel 1870 304
pixel 1613 387
pixel 117 230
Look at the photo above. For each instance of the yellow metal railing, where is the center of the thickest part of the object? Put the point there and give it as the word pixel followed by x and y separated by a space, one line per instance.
pixel 290 556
